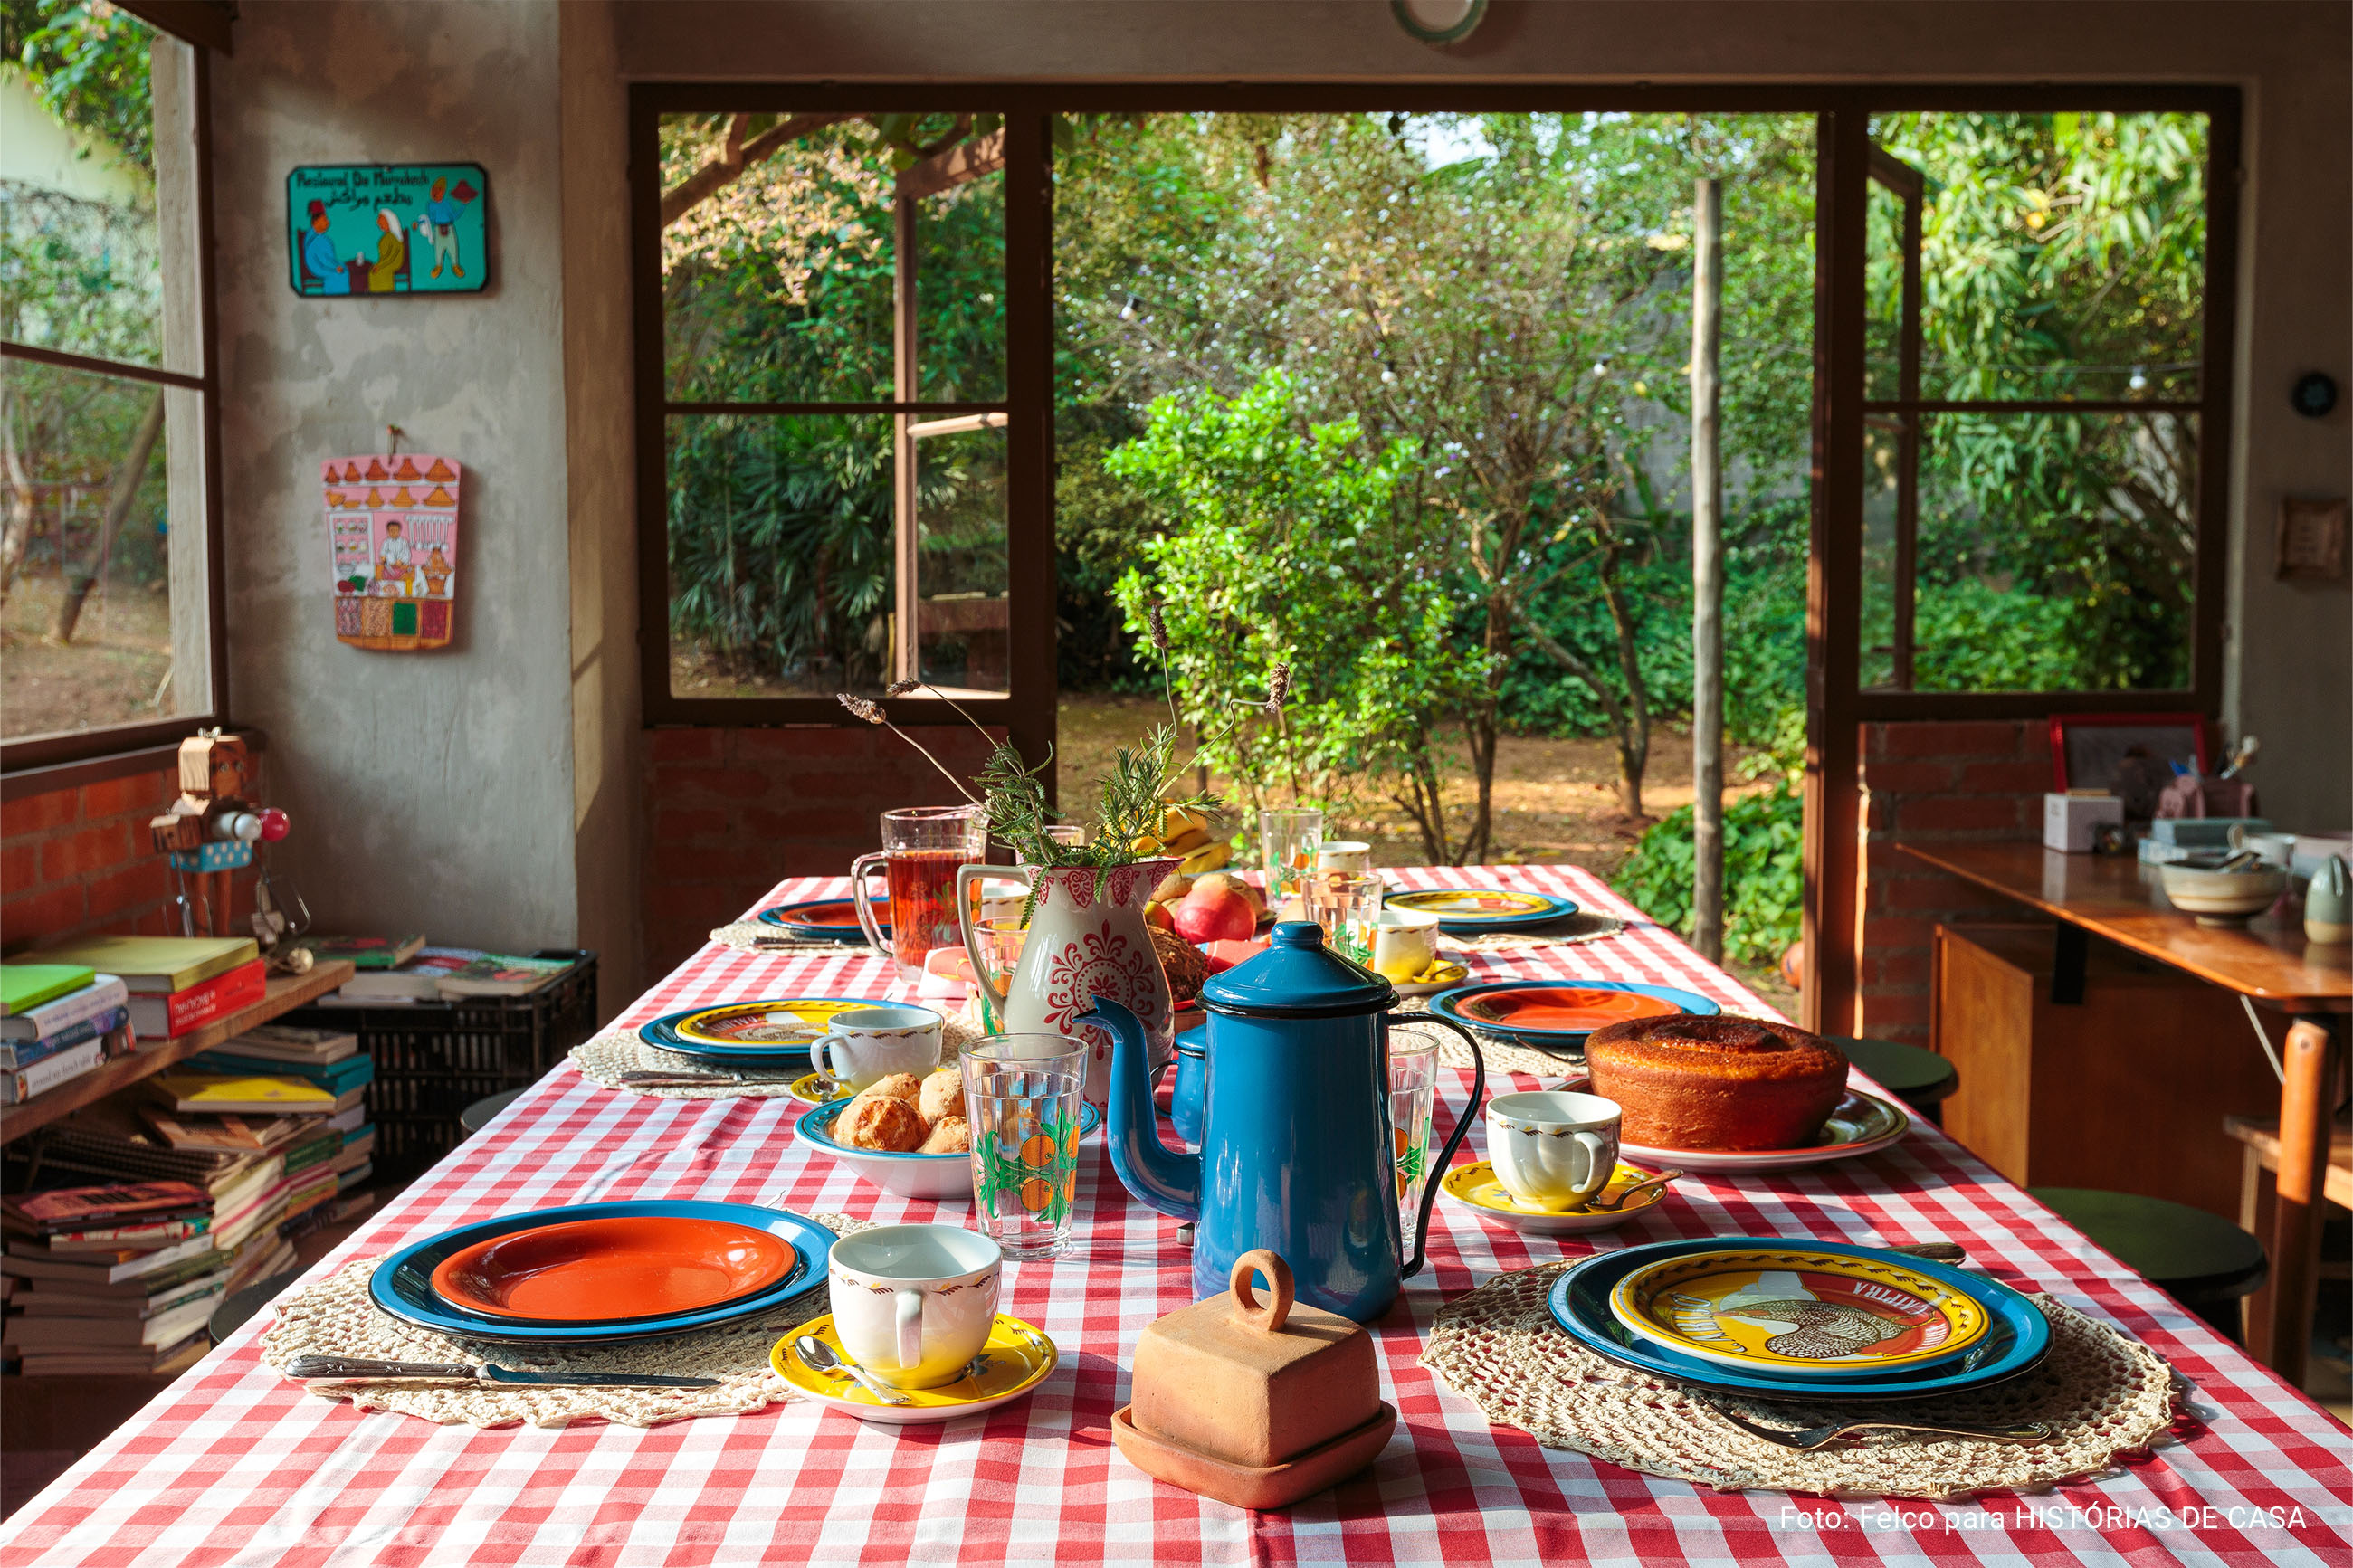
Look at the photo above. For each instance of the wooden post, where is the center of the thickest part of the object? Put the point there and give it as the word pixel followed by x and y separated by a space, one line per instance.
pixel 2307 1097
pixel 906 386
pixel 1707 573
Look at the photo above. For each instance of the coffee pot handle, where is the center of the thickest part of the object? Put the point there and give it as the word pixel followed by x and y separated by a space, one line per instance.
pixel 1454 1140
pixel 860 869
pixel 980 975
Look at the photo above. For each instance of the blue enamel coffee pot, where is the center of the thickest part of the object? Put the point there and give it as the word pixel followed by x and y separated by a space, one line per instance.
pixel 1297 1154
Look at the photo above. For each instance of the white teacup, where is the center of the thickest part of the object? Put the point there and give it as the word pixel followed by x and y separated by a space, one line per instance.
pixel 912 1303
pixel 1552 1149
pixel 867 1043
pixel 1405 943
pixel 1350 855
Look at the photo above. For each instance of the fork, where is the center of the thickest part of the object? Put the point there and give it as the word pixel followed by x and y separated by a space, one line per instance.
pixel 1807 1438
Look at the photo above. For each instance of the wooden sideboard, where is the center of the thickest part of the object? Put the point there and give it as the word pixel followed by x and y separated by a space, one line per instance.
pixel 2126 1089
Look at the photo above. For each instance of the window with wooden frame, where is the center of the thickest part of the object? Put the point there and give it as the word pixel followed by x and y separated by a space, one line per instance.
pixel 839 477
pixel 2041 374
pixel 110 580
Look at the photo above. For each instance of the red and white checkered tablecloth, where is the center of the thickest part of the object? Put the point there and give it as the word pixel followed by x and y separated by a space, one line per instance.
pixel 234 1465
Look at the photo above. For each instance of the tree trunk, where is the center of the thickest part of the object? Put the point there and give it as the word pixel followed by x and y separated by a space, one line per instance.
pixel 1708 576
pixel 16 520
pixel 119 497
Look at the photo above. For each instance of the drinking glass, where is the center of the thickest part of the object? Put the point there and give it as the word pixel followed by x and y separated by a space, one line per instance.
pixel 999 942
pixel 1069 835
pixel 1021 1096
pixel 1287 839
pixel 1348 907
pixel 923 846
pixel 1413 1087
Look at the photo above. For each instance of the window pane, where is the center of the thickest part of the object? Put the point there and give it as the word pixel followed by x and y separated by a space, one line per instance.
pixel 1884 283
pixel 2056 551
pixel 964 618
pixel 97 187
pixel 1882 585
pixel 780 555
pixel 102 552
pixel 779 286
pixel 2063 255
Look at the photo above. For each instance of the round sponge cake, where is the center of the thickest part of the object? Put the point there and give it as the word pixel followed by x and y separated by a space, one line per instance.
pixel 1689 1082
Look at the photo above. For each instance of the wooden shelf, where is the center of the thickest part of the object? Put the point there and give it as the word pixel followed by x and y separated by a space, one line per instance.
pixel 286 992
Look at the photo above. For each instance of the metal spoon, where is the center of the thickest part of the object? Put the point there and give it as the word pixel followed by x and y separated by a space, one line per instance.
pixel 1661 1180
pixel 659 1077
pixel 816 1353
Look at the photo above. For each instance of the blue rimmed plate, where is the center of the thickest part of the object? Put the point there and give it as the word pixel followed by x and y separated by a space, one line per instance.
pixel 2015 1344
pixel 910 1175
pixel 403 1283
pixel 826 920
pixel 1478 911
pixel 1557 1015
pixel 772 1032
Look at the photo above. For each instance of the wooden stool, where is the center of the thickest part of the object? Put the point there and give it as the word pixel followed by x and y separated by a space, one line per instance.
pixel 2258 1187
pixel 477 1116
pixel 2202 1261
pixel 1919 1078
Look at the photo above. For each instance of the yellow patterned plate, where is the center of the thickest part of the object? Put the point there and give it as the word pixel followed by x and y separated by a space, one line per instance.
pixel 1796 1312
pixel 1474 1190
pixel 1016 1360
pixel 772 1027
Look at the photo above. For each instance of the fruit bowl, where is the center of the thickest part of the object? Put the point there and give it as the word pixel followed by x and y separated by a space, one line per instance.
pixel 2219 898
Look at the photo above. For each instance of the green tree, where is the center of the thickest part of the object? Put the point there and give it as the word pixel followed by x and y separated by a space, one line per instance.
pixel 1287 545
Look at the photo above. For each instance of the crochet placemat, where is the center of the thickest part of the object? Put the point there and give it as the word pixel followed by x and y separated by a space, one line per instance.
pixel 759 936
pixel 2107 1397
pixel 335 1317
pixel 1501 1055
pixel 1568 932
pixel 603 1060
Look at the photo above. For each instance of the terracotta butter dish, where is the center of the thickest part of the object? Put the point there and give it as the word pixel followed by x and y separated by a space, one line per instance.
pixel 1254 1404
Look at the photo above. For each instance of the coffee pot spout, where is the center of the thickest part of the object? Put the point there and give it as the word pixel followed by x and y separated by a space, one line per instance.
pixel 1159 1176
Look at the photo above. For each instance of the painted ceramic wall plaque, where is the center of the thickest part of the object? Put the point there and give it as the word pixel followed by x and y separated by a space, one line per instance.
pixel 392 528
pixel 364 230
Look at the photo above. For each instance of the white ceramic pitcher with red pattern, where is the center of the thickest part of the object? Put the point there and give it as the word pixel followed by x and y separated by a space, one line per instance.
pixel 1086 940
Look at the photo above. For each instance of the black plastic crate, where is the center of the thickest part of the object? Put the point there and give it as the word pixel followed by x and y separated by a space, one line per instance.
pixel 435 1059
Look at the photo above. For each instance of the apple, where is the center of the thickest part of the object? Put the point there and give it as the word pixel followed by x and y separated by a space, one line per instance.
pixel 1159 915
pixel 1214 912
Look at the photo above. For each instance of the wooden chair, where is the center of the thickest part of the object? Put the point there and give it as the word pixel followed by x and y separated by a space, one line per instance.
pixel 2257 1192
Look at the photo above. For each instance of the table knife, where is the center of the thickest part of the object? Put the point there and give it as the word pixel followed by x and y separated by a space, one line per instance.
pixel 360 1369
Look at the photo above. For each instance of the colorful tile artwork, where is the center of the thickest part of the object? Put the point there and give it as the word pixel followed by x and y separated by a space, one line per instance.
pixel 392 526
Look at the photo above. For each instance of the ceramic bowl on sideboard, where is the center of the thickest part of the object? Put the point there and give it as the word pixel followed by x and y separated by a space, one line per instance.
pixel 2223 897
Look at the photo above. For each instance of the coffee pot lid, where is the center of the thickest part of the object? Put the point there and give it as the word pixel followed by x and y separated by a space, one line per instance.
pixel 1298 977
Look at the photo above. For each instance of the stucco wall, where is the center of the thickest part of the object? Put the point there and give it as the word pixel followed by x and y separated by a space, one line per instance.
pixel 430 791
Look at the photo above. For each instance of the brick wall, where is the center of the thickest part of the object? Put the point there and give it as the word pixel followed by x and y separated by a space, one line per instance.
pixel 1934 782
pixel 730 813
pixel 79 859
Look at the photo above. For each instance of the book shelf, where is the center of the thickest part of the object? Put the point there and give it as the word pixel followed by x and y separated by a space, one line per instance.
pixel 286 992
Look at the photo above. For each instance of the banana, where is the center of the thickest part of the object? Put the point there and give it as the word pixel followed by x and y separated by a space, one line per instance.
pixel 1207 857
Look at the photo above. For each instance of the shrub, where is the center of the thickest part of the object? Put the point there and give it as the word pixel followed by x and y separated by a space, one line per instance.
pixel 1764 873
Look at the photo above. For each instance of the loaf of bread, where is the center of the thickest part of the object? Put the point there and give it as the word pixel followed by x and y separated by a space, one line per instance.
pixel 1689 1082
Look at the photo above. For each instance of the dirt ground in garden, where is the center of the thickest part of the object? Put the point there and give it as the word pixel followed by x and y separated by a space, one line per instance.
pixel 122 646
pixel 1555 800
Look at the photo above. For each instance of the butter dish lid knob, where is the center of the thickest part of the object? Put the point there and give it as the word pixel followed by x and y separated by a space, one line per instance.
pixel 1269 1318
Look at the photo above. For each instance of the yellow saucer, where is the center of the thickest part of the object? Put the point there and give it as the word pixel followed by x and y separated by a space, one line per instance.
pixel 814 1089
pixel 1016 1360
pixel 1474 1189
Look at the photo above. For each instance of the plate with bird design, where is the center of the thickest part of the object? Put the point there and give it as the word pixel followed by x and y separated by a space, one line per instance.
pixel 1799 1312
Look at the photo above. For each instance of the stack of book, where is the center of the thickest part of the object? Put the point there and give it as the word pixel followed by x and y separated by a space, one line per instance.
pixel 451 975
pixel 57 1021
pixel 262 1138
pixel 178 983
pixel 120 1278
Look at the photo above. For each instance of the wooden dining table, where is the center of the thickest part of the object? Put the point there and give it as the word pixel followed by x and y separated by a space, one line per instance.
pixel 2120 900
pixel 236 1465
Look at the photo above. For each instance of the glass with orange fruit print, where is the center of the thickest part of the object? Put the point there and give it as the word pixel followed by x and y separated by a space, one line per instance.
pixel 1021 1096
